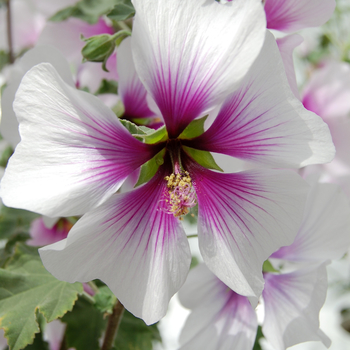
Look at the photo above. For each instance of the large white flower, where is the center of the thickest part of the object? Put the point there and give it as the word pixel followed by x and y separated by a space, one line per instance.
pixel 191 57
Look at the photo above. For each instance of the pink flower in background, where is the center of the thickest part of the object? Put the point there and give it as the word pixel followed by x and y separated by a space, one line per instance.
pixel 75 154
pixel 43 235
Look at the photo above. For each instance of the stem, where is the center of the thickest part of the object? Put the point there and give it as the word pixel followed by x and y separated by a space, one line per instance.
pixel 9 32
pixel 192 236
pixel 113 325
pixel 88 297
pixel 93 286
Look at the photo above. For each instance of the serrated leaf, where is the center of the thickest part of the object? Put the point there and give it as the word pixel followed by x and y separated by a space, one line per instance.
pixel 85 325
pixel 194 129
pixel 149 169
pixel 27 288
pixel 123 10
pixel 204 158
pixel 134 334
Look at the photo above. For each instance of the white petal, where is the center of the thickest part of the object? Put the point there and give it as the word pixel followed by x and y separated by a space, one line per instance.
pixel 74 151
pixel 182 60
pixel 220 318
pixel 243 218
pixel 9 123
pixel 263 122
pixel 286 46
pixel 324 232
pixel 131 244
pixel 292 305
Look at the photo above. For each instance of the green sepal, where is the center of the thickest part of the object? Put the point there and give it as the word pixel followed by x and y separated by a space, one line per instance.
pixel 123 10
pixel 149 169
pixel 259 335
pixel 136 131
pixel 155 136
pixel 145 134
pixel 107 87
pixel 268 267
pixel 194 129
pixel 204 158
pixel 26 289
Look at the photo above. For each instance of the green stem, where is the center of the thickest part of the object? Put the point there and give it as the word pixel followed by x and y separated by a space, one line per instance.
pixel 93 286
pixel 88 297
pixel 192 236
pixel 9 32
pixel 113 325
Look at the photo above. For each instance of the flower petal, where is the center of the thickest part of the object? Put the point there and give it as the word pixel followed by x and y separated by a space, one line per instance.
pixel 9 123
pixel 131 244
pixel 286 45
pixel 324 232
pixel 327 92
pixel 183 62
pixel 220 318
pixel 292 15
pixel 74 151
pixel 292 305
pixel 262 121
pixel 243 218
pixel 131 90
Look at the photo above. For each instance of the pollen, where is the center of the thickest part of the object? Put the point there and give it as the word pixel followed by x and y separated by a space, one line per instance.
pixel 179 194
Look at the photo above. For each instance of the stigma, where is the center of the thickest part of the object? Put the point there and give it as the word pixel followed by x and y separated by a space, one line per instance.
pixel 179 194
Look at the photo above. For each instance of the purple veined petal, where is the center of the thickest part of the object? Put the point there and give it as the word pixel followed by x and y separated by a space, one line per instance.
pixel 132 92
pixel 263 122
pixel 243 218
pixel 292 15
pixel 182 61
pixel 324 232
pixel 220 318
pixel 74 152
pixel 327 92
pixel 286 46
pixel 9 123
pixel 131 244
pixel 292 305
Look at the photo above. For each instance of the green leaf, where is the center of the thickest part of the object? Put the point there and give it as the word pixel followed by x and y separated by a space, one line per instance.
pixel 64 14
pixel 27 288
pixel 4 59
pixel 204 158
pixel 14 221
pixel 194 129
pixel 107 87
pixel 259 335
pixel 105 300
pixel 267 267
pixel 6 154
pixel 149 169
pixel 85 325
pixel 123 10
pixel 134 334
pixel 38 344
